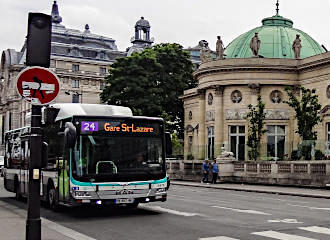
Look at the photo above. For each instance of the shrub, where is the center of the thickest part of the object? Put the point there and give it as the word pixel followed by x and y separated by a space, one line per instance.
pixel 319 155
pixel 190 157
pixel 295 155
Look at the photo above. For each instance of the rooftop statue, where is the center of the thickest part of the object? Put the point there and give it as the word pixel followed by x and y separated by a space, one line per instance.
pixel 205 52
pixel 255 45
pixel 220 48
pixel 296 46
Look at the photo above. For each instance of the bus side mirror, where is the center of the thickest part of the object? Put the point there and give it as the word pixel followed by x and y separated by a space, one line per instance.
pixel 70 135
pixel 44 156
pixel 168 143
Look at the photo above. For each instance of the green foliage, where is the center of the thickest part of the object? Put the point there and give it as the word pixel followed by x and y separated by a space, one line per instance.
pixel 177 146
pixel 190 157
pixel 256 118
pixel 307 111
pixel 151 82
pixel 319 155
pixel 295 155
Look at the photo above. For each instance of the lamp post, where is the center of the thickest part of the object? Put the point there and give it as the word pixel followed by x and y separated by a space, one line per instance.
pixel 68 92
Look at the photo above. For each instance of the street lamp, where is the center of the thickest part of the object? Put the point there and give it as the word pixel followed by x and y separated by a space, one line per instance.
pixel 68 92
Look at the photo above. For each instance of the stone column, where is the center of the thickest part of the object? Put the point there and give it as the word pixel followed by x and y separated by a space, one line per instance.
pixel 218 124
pixel 201 127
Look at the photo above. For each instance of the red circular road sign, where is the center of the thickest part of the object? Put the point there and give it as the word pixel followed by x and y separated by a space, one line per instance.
pixel 38 85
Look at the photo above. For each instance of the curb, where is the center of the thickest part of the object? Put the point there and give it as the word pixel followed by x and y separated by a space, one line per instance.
pixel 252 190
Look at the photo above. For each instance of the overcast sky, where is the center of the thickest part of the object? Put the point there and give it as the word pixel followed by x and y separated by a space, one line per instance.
pixel 182 21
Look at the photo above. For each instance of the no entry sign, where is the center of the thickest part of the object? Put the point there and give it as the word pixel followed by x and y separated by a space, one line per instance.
pixel 37 85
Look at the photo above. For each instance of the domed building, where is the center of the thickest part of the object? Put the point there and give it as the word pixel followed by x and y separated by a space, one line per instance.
pixel 216 110
pixel 141 39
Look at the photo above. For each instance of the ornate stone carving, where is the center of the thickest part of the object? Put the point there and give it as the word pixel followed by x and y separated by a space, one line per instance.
pixel 277 114
pixel 328 91
pixel 219 90
pixel 189 128
pixel 276 96
pixel 255 88
pixel 220 48
pixel 296 46
pixel 201 93
pixel 255 45
pixel 190 115
pixel 236 114
pixel 210 99
pixel 210 116
pixel 236 96
pixel 271 114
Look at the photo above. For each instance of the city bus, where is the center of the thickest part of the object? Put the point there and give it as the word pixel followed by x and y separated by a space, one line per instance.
pixel 93 154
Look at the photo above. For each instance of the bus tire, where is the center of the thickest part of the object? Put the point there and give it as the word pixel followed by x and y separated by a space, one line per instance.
pixel 52 198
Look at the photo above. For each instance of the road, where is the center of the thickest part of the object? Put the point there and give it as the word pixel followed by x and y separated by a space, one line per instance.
pixel 200 214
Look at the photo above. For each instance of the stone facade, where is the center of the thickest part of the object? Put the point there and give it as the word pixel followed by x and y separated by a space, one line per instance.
pixel 250 77
pixel 81 60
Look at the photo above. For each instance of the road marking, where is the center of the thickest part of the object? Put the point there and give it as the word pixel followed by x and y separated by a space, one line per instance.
pixel 68 232
pixel 316 229
pixel 218 238
pixel 311 208
pixel 173 195
pixel 287 220
pixel 243 210
pixel 281 236
pixel 171 211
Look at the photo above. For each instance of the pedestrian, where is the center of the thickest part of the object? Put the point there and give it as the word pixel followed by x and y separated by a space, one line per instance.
pixel 206 171
pixel 215 171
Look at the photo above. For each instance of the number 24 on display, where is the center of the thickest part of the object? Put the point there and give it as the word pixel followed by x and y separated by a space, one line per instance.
pixel 89 126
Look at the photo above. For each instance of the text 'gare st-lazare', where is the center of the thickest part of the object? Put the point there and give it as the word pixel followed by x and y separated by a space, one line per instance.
pixel 263 61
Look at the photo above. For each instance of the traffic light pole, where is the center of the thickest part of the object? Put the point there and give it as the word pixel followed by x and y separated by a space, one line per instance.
pixel 38 54
pixel 33 222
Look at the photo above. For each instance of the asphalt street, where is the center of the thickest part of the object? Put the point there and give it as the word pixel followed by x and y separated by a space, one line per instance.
pixel 200 213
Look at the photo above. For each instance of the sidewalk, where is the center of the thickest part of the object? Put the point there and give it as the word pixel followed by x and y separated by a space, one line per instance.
pixel 293 191
pixel 13 222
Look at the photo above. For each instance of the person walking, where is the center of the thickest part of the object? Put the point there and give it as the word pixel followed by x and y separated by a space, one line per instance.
pixel 215 171
pixel 206 171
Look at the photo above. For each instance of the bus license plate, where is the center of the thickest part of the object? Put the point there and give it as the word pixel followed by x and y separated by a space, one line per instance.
pixel 124 200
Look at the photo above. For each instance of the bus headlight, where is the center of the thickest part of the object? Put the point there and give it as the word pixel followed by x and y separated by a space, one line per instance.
pixel 82 194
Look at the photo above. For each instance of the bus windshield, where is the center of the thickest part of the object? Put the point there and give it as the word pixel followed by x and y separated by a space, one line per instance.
pixel 118 157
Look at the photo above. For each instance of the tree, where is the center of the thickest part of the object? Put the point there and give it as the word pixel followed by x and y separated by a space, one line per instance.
pixel 151 82
pixel 256 117
pixel 307 110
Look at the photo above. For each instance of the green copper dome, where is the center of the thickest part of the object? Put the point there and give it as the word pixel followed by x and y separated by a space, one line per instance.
pixel 276 35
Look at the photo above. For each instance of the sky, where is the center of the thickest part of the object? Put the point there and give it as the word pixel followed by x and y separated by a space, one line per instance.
pixel 182 21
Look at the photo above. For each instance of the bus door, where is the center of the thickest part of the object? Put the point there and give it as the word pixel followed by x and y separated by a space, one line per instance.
pixel 24 166
pixel 63 180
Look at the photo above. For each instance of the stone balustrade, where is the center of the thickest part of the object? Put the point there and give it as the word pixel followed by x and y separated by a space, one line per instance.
pixel 294 173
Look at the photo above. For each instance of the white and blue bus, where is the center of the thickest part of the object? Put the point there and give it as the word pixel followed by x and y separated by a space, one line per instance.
pixel 95 154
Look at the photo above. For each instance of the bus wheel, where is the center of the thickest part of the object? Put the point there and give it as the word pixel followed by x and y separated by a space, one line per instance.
pixel 52 199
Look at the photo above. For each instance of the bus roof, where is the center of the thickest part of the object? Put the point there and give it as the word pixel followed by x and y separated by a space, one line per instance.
pixel 68 110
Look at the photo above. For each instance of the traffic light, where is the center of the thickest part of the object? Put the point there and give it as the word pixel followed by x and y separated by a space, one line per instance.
pixel 39 40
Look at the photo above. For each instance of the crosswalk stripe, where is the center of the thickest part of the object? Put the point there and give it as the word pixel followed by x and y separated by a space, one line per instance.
pixel 219 238
pixel 243 210
pixel 281 236
pixel 316 229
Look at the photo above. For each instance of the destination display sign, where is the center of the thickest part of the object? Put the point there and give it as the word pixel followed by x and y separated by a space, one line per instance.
pixel 119 127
